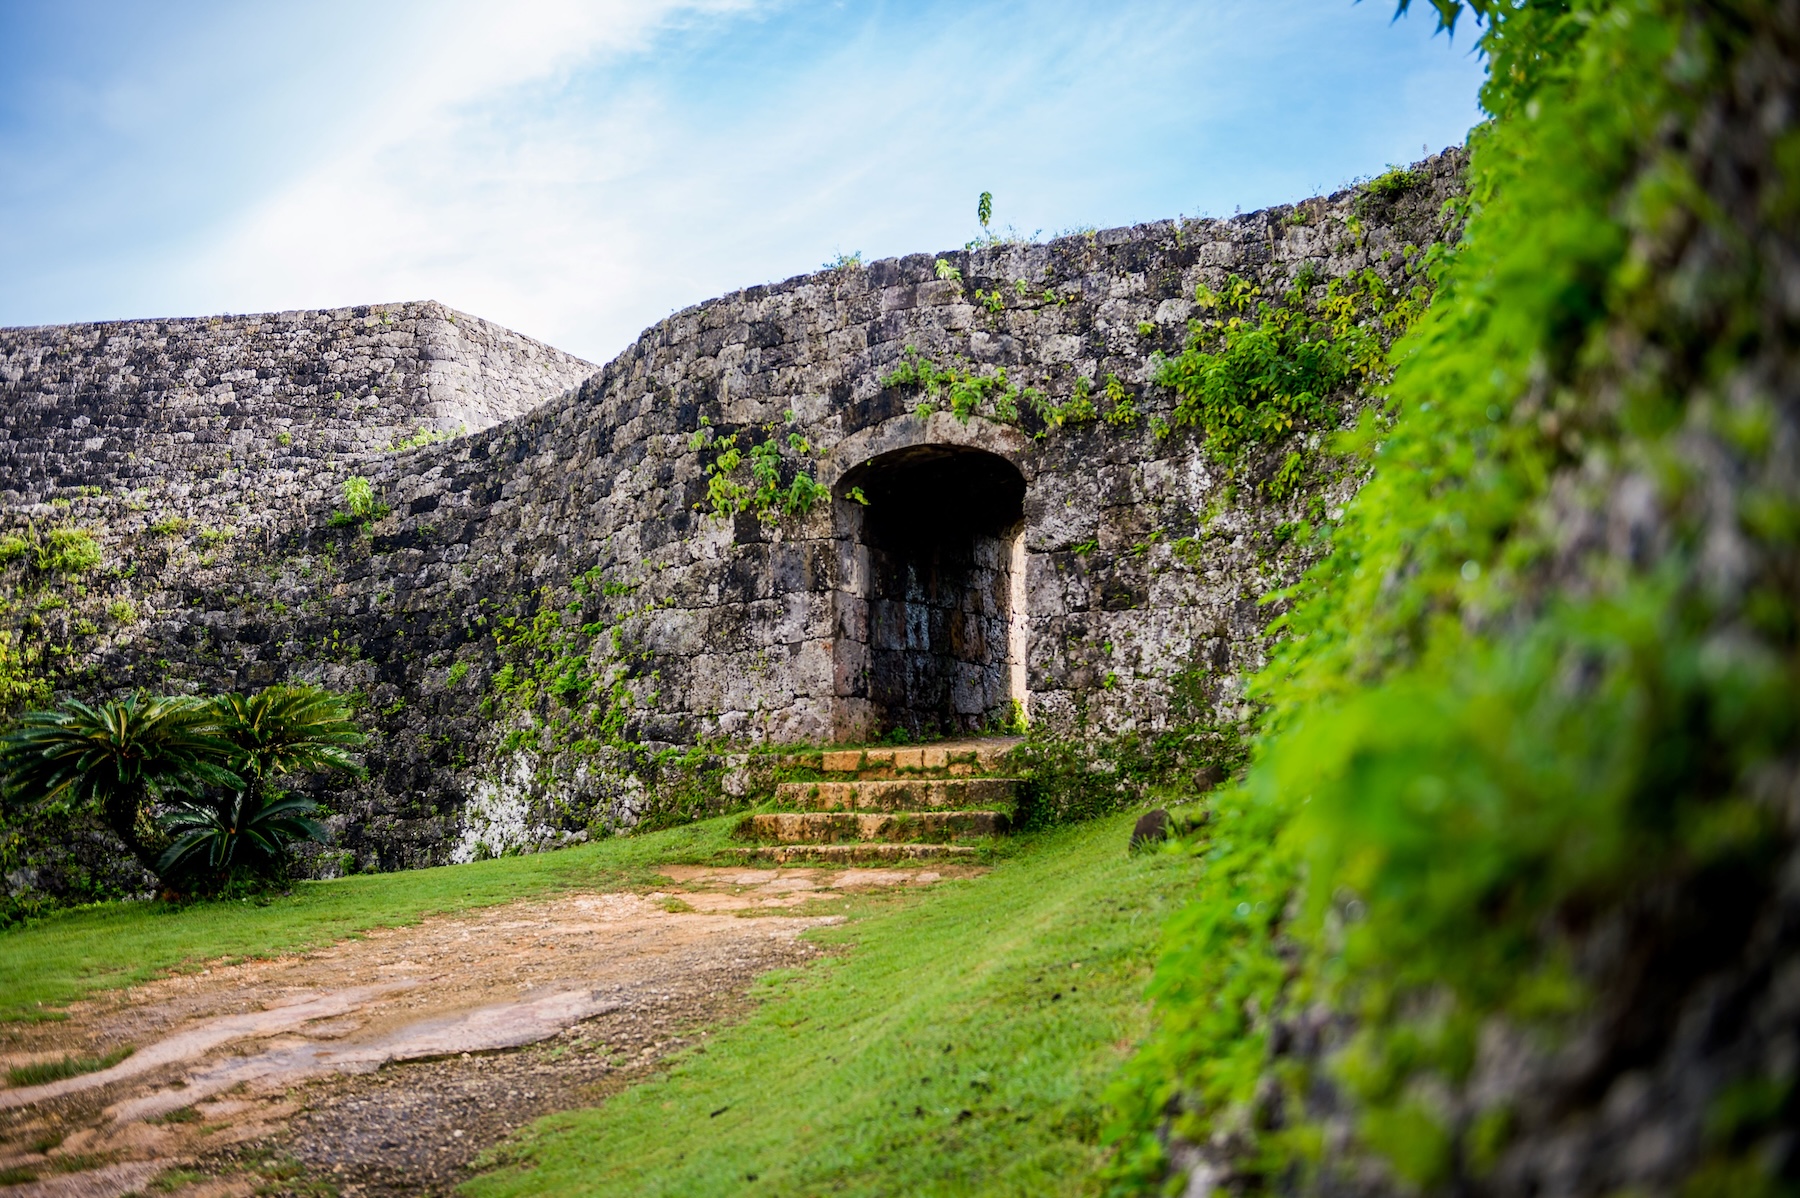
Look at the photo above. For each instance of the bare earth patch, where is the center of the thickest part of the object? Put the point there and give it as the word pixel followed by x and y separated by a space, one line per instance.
pixel 387 1064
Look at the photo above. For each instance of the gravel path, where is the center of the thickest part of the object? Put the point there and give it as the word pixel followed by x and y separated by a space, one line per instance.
pixel 388 1064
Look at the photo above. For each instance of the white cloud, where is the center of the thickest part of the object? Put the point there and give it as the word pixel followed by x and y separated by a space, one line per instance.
pixel 577 170
pixel 423 192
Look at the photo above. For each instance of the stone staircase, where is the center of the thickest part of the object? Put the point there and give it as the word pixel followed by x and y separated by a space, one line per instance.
pixel 870 806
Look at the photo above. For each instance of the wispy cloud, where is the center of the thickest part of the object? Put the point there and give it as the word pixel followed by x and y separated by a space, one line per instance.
pixel 577 170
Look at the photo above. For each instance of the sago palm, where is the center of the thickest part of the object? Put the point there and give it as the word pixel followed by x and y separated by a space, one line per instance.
pixel 287 729
pixel 115 756
pixel 249 829
pixel 280 730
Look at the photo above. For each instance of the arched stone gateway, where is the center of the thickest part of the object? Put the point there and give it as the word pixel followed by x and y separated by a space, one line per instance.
pixel 570 619
pixel 931 613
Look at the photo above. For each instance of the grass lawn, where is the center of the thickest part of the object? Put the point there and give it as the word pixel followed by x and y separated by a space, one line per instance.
pixel 956 1044
pixel 52 961
pixel 956 1041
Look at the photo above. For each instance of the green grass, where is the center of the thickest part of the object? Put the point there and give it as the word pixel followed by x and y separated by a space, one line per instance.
pixel 50 962
pixel 55 1071
pixel 950 1046
pixel 955 1040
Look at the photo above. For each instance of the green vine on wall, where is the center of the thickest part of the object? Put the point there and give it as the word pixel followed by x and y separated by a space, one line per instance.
pixel 45 606
pixel 1255 371
pixel 763 492
pixel 964 392
pixel 548 669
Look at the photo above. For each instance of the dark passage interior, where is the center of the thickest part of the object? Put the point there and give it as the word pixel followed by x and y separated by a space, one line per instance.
pixel 938 531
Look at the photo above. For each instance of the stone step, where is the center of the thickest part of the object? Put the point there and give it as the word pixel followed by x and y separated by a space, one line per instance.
pixel 822 827
pixel 950 758
pixel 851 854
pixel 900 794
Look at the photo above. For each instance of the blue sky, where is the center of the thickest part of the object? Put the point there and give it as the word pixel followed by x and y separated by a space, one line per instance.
pixel 577 170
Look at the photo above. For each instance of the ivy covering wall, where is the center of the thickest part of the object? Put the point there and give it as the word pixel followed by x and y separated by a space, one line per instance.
pixel 1503 903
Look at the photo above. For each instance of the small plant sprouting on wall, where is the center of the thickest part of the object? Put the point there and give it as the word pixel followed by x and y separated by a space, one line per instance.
pixel 360 504
pixel 359 496
pixel 69 551
pixel 424 435
pixel 763 493
pixel 966 393
pixel 1393 182
pixel 1254 371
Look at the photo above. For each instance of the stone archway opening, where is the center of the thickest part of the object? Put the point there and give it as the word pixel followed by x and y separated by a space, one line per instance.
pixel 934 639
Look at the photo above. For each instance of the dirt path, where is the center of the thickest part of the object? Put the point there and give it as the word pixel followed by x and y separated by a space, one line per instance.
pixel 386 1065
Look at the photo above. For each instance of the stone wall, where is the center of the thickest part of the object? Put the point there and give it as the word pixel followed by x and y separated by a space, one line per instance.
pixel 201 416
pixel 551 629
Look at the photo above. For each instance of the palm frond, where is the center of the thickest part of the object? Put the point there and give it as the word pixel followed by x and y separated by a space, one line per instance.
pixel 113 755
pixel 290 728
pixel 247 830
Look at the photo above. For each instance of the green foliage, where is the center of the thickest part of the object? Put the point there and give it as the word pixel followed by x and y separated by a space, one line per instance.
pixel 1472 746
pixel 358 495
pixel 111 759
pixel 40 1072
pixel 19 686
pixel 47 598
pixel 237 834
pixel 114 758
pixel 63 550
pixel 1287 479
pixel 952 1041
pixel 287 729
pixel 963 390
pixel 1123 411
pixel 1394 182
pixel 567 685
pixel 360 503
pixel 1254 371
pixel 984 208
pixel 422 436
pixel 763 493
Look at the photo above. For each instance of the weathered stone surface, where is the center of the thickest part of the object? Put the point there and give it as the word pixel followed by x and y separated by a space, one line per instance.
pixel 252 420
pixel 1097 576
pixel 900 794
pixel 853 854
pixel 819 827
